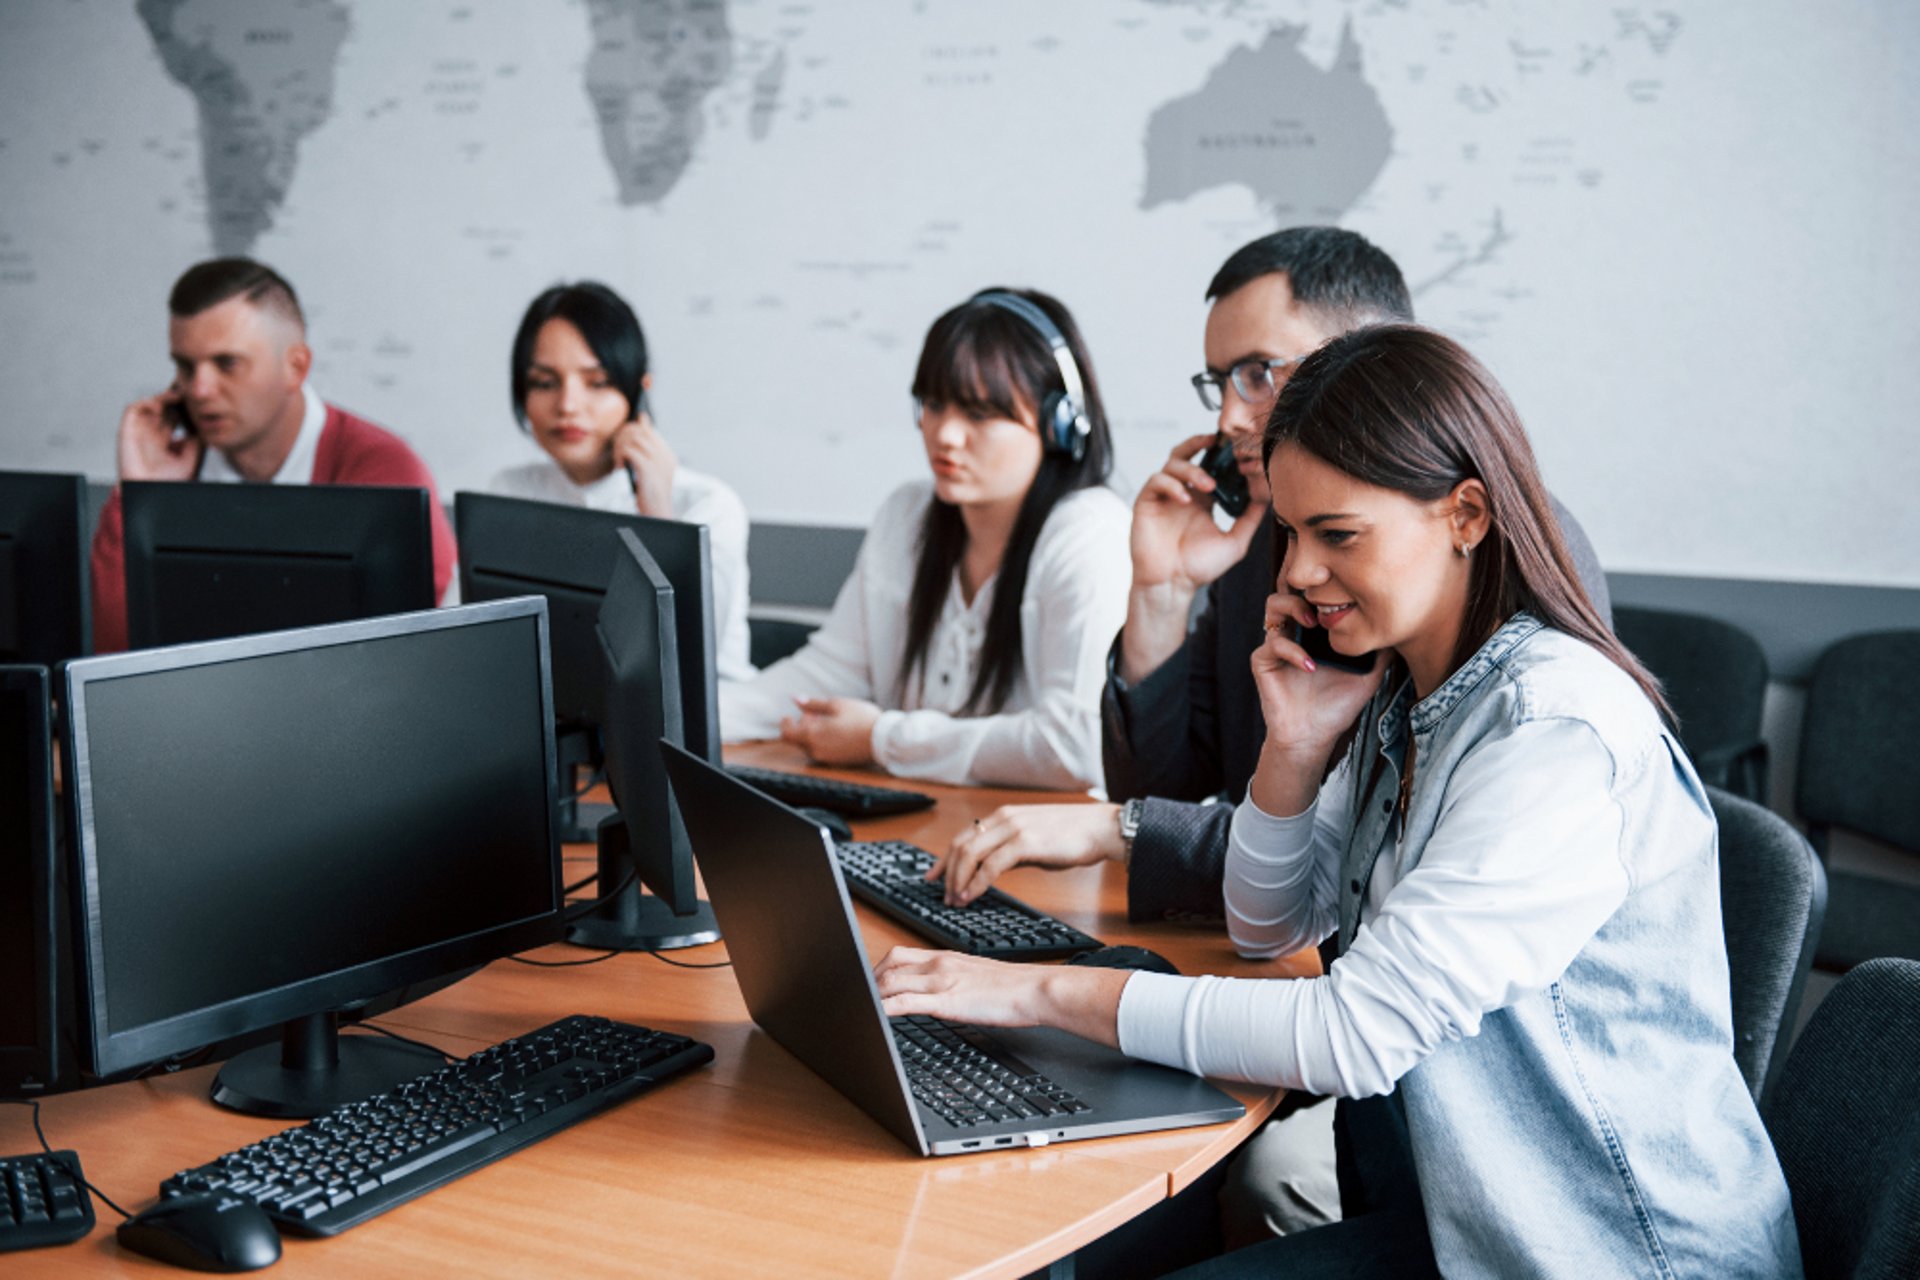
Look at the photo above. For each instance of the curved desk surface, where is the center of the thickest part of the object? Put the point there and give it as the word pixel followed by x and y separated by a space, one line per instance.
pixel 752 1166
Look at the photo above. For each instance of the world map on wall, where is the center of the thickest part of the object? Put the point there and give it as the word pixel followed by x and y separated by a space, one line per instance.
pixel 788 190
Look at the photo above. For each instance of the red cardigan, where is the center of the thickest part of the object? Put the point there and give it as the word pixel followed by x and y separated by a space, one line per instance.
pixel 351 451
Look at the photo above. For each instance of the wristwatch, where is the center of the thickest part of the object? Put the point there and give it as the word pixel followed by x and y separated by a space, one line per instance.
pixel 1130 827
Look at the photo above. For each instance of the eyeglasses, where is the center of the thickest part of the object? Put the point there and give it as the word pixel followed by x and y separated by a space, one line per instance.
pixel 1252 378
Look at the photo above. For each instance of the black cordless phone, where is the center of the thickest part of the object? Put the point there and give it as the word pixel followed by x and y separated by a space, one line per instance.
pixel 1229 486
pixel 1319 647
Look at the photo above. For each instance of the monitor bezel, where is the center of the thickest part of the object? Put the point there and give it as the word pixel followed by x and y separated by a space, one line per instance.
pixel 41 1061
pixel 117 1049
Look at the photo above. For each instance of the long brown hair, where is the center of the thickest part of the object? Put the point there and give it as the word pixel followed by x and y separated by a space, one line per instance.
pixel 1404 408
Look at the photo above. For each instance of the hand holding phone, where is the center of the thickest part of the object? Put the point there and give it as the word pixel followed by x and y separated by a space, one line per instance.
pixel 157 440
pixel 1230 491
pixel 1319 647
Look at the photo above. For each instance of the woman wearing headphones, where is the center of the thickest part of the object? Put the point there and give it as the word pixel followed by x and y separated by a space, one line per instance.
pixel 1516 859
pixel 580 389
pixel 969 644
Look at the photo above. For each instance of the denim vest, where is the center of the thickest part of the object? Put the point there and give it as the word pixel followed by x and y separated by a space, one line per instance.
pixel 1599 1127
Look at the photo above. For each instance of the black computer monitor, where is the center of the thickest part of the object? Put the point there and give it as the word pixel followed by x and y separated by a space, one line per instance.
pixel 512 546
pixel 646 840
pixel 386 803
pixel 205 561
pixel 43 567
pixel 30 1051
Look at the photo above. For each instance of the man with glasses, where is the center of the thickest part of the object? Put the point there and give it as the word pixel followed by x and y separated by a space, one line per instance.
pixel 1180 715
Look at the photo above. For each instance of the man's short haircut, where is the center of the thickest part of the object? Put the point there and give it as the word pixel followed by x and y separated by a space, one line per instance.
pixel 208 284
pixel 1342 277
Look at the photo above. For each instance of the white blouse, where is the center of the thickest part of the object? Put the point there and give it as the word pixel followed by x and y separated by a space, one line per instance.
pixel 1048 732
pixel 698 498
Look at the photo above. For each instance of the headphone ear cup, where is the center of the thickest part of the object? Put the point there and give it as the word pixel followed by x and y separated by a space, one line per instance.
pixel 1056 423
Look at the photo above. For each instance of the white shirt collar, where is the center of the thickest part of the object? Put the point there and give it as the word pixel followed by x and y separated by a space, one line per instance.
pixel 298 467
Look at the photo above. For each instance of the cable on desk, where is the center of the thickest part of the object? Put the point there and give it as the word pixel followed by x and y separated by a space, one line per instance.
pixel 435 1049
pixel 578 885
pixel 682 964
pixel 566 964
pixel 48 1148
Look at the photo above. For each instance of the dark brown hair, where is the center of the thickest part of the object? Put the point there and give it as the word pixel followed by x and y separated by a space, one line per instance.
pixel 1403 408
pixel 208 284
pixel 990 363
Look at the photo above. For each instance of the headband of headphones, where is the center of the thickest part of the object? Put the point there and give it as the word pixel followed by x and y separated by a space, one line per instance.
pixel 1064 427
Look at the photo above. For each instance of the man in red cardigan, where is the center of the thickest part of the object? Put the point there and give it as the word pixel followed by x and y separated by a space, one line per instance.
pixel 240 360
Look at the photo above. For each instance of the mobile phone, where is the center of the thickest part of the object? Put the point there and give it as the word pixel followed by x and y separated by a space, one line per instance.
pixel 180 420
pixel 1319 647
pixel 1229 486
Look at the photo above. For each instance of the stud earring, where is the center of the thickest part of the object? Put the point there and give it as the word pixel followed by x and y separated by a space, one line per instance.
pixel 1465 549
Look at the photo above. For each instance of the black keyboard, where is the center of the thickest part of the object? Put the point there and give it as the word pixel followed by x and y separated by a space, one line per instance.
pixel 42 1200
pixel 361 1159
pixel 891 875
pixel 854 799
pixel 967 1079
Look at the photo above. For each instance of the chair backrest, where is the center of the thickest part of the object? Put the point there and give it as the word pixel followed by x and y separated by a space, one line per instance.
pixel 1773 895
pixel 1715 675
pixel 771 639
pixel 1860 741
pixel 1846 1126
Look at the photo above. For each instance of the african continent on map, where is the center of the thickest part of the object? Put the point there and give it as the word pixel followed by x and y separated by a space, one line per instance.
pixel 652 66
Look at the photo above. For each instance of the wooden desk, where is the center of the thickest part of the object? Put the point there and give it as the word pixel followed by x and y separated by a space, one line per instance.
pixel 752 1166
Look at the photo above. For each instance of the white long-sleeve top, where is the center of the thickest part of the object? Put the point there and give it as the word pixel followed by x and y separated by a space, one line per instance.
pixel 698 498
pixel 1048 732
pixel 1521 872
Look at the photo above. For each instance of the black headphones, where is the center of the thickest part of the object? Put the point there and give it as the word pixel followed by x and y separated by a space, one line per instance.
pixel 1063 416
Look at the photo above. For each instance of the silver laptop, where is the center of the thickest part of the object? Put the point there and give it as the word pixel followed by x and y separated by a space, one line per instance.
pixel 942 1088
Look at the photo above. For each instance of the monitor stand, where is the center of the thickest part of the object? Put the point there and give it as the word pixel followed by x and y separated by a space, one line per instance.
pixel 632 919
pixel 314 1069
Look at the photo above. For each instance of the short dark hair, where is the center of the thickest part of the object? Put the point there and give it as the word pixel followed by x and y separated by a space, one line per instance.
pixel 1343 277
pixel 208 284
pixel 607 324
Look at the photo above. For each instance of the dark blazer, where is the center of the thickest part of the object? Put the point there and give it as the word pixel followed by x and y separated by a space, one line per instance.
pixel 1186 738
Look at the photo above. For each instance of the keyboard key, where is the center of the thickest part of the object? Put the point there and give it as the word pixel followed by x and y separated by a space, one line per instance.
pixel 42 1201
pixel 855 800
pixel 891 875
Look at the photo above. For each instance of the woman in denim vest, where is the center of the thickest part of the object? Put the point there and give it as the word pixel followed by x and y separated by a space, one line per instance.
pixel 1514 855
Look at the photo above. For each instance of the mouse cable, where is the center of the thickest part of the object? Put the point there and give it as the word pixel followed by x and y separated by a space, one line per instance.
pixel 579 884
pixel 47 1147
pixel 375 1027
pixel 567 964
pixel 591 905
pixel 682 964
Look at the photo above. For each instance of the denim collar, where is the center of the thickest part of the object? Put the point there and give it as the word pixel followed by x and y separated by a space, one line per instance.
pixel 1432 709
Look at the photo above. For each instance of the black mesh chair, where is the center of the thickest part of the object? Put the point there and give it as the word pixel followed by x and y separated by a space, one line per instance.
pixel 771 639
pixel 1716 678
pixel 1847 1130
pixel 1773 894
pixel 1859 745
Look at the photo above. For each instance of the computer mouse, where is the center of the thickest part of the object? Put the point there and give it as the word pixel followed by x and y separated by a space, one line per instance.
pixel 1126 958
pixel 833 822
pixel 209 1231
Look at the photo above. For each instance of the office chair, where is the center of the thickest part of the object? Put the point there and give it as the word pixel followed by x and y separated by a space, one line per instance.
pixel 1858 747
pixel 1716 678
pixel 1846 1129
pixel 1773 895
pixel 771 639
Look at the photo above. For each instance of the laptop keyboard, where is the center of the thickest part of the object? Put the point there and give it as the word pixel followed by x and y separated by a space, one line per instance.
pixel 891 875
pixel 958 1074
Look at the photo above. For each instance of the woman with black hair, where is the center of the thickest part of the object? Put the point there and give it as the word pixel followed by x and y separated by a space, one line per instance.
pixel 1514 856
pixel 968 646
pixel 580 384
